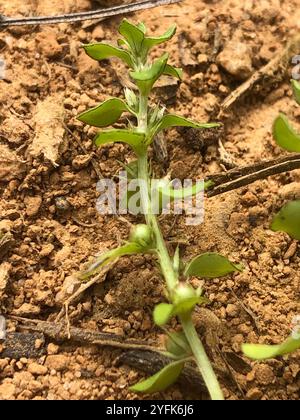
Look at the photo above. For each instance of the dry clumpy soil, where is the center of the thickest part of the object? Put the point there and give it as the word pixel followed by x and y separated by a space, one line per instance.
pixel 48 173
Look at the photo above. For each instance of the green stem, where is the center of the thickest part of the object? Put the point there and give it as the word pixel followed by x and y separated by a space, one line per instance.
pixel 143 114
pixel 202 360
pixel 163 254
pixel 166 263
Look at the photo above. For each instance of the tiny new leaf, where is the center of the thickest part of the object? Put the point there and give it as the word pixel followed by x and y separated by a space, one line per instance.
pixel 162 314
pixel 100 51
pixel 285 135
pixel 135 140
pixel 187 305
pixel 105 114
pixel 185 298
pixel 296 89
pixel 263 352
pixel 161 380
pixel 288 220
pixel 211 265
pixel 146 78
pixel 173 71
pixel 134 35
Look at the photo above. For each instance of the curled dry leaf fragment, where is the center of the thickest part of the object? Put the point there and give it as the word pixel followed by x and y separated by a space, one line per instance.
pixel 4 276
pixel 49 129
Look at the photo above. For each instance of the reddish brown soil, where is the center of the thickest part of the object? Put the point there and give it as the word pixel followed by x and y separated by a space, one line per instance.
pixel 50 239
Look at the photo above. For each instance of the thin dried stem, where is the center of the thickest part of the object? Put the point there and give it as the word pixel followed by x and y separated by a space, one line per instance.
pixel 81 16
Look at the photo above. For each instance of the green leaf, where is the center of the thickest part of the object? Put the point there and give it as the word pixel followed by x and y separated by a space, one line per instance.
pixel 105 114
pixel 187 305
pixel 146 78
pixel 211 265
pixel 178 345
pixel 162 314
pixel 285 135
pixel 151 42
pixel 161 380
pixel 296 89
pixel 262 352
pixel 135 140
pixel 168 191
pixel 133 34
pixel 107 257
pixel 171 120
pixel 100 51
pixel 288 220
pixel 173 71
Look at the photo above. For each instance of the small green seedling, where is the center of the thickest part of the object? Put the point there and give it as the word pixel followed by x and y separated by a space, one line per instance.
pixel 288 221
pixel 133 49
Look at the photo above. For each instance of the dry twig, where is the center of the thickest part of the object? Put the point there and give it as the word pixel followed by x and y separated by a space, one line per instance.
pixel 138 355
pixel 241 177
pixel 91 15
pixel 279 62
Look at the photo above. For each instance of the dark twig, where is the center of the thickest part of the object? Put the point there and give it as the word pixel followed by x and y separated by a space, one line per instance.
pixel 241 177
pixel 78 17
pixel 136 354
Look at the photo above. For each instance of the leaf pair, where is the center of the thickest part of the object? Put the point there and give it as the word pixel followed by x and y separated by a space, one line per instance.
pixel 137 41
pixel 138 47
pixel 108 113
pixel 263 352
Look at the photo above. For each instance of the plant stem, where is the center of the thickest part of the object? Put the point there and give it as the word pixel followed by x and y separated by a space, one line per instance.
pixel 166 263
pixel 163 254
pixel 143 114
pixel 202 360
